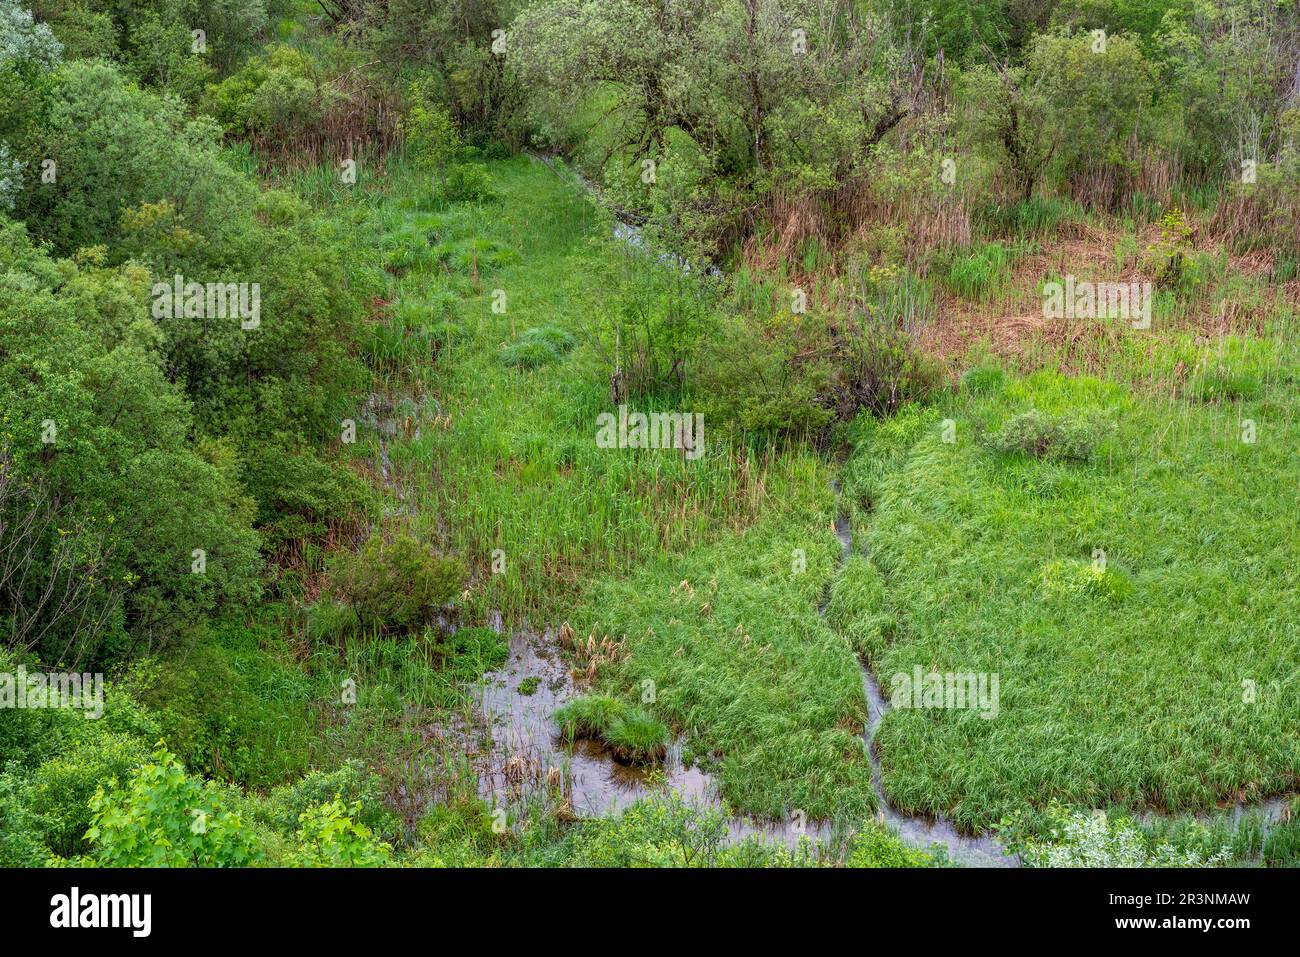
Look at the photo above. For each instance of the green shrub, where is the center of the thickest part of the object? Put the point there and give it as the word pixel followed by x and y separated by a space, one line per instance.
pixel 299 495
pixel 1093 839
pixel 331 836
pixel 280 97
pixel 352 782
pixel 662 318
pixel 467 183
pixel 134 496
pixel 1170 254
pixel 875 845
pixel 880 369
pixel 765 382
pixel 22 830
pixel 428 128
pixel 61 788
pixel 394 585
pixel 1066 438
pixel 233 713
pixel 163 817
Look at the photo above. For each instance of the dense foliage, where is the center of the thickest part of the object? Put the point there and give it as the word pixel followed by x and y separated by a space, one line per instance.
pixel 305 321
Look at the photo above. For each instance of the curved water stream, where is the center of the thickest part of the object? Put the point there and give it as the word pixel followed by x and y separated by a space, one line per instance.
pixel 975 850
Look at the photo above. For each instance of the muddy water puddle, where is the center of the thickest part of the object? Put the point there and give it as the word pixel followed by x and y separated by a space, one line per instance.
pixel 517 702
pixel 527 756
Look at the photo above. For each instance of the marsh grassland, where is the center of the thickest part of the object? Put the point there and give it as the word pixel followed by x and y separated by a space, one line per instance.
pixel 560 433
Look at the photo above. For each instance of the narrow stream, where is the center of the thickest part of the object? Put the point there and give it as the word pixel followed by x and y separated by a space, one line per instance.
pixel 974 851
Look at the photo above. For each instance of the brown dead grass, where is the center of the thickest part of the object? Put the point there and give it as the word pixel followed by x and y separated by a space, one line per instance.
pixel 1013 328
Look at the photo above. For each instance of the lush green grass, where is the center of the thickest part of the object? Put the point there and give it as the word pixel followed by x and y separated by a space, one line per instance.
pixel 634 735
pixel 590 716
pixel 776 707
pixel 506 458
pixel 981 271
pixel 729 642
pixel 1120 684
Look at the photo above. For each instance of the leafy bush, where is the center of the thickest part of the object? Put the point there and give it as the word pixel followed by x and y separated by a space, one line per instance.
pixel 11 178
pixel 764 380
pixel 61 788
pixel 1093 839
pixel 352 783
pixel 163 817
pixel 331 836
pixel 430 132
pixel 232 712
pixel 280 95
pixel 1169 255
pixel 662 317
pixel 467 183
pixel 394 585
pixel 299 495
pixel 879 369
pixel 109 455
pixel 1068 438
pixel 875 845
pixel 22 830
